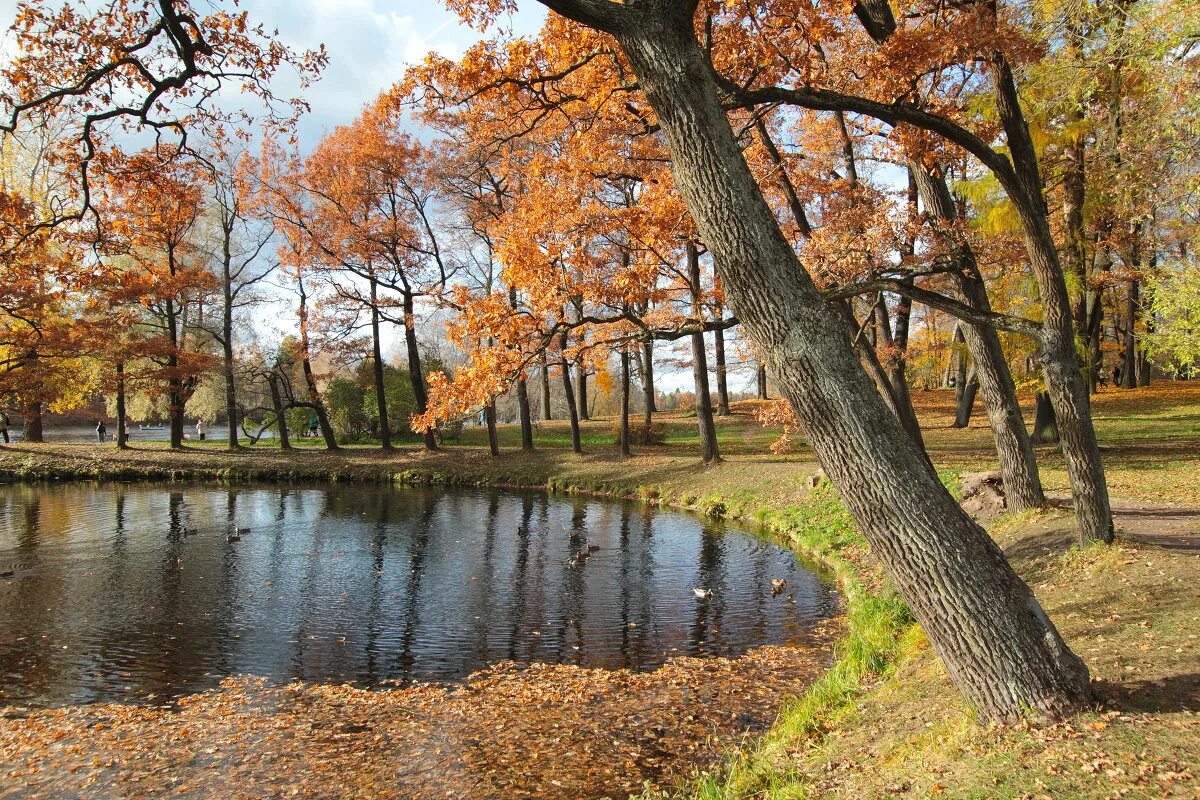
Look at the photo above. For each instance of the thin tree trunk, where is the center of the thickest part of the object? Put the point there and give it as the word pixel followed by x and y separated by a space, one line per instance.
pixel 1064 380
pixel 966 403
pixel 231 407
pixel 526 416
pixel 522 394
pixel 960 363
pixel 569 394
pixel 870 364
pixel 1018 464
pixel 704 409
pixel 310 379
pixel 546 413
pixel 122 432
pixel 1000 649
pixel 174 385
pixel 385 431
pixel 625 402
pixel 581 397
pixel 722 372
pixel 489 414
pixel 280 413
pixel 893 376
pixel 1129 373
pixel 648 377
pixel 415 376
pixel 762 381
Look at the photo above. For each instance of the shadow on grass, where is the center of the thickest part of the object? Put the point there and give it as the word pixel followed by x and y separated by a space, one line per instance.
pixel 1173 693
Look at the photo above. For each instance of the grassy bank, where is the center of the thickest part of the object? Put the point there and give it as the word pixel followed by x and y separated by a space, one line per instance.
pixel 885 721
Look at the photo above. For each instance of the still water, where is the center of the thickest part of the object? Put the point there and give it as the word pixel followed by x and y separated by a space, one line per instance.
pixel 136 591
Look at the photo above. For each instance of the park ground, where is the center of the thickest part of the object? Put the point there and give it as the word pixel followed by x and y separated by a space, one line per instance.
pixel 883 722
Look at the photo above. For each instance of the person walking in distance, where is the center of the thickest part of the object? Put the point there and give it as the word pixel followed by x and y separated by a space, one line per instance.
pixel 4 426
pixel 101 431
pixel 200 430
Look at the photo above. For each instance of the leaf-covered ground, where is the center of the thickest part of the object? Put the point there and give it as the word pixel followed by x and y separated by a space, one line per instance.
pixel 538 732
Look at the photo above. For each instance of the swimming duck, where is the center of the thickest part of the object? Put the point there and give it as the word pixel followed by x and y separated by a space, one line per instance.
pixel 233 537
pixel 777 586
pixel 702 594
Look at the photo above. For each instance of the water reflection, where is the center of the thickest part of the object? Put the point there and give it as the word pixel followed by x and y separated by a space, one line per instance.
pixel 138 592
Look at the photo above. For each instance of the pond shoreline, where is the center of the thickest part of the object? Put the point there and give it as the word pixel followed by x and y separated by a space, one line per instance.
pixel 818 528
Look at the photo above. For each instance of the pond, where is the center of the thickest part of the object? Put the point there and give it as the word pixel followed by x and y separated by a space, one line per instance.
pixel 146 592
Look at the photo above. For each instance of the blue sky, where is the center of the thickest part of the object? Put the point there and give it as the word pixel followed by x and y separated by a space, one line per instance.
pixel 370 43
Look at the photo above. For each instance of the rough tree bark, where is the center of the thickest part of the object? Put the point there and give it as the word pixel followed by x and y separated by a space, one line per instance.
pixel 1060 365
pixel 1000 649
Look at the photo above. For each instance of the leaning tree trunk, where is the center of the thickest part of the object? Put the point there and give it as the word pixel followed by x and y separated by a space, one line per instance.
pixel 1018 465
pixel 1060 364
pixel 569 394
pixel 704 409
pixel 999 647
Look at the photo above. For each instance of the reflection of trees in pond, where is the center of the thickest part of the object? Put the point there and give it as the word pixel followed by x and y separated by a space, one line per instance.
pixel 418 547
pixel 710 575
pixel 30 658
pixel 484 583
pixel 421 583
